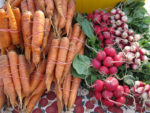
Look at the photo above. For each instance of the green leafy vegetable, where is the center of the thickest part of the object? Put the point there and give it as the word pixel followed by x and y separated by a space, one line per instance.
pixel 82 63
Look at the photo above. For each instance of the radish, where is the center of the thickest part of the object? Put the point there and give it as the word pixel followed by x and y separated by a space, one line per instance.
pixel 96 64
pixel 133 48
pixel 138 84
pixel 98 95
pixel 111 83
pixel 147 87
pixel 118 39
pixel 126 90
pixel 130 38
pixel 121 100
pixel 137 37
pixel 118 60
pixel 112 37
pixel 135 66
pixel 113 11
pixel 96 12
pixel 110 51
pixel 125 41
pixel 118 22
pixel 101 55
pixel 122 14
pixel 119 28
pixel 113 70
pixel 107 94
pixel 109 42
pixel 124 34
pixel 98 85
pixel 113 21
pixel 137 54
pixel 108 61
pixel 125 26
pixel 103 70
pixel 118 33
pixel 107 102
pixel 131 32
pixel 114 25
pixel 112 17
pixel 130 56
pixel 105 17
pixel 117 16
pixel 144 58
pixel 106 35
pixel 138 61
pixel 100 37
pixel 142 51
pixel 90 16
pixel 139 90
pixel 124 18
pixel 119 91
pixel 127 48
pixel 97 30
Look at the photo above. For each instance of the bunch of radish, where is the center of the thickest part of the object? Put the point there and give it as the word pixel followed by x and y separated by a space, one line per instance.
pixel 102 27
pixel 142 91
pixel 127 40
pixel 110 93
pixel 107 61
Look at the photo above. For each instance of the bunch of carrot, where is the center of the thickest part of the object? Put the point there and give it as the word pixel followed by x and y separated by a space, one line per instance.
pixel 38 46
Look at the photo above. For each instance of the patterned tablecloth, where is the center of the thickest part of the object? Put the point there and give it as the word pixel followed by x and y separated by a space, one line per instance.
pixel 85 103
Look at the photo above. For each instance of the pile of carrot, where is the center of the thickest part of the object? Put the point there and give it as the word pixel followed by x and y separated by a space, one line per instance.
pixel 38 42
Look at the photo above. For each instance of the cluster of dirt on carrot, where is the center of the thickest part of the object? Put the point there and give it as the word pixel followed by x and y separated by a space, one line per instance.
pixel 38 42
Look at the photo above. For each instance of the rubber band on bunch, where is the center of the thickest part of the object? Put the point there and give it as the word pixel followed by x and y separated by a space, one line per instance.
pixel 76 38
pixel 9 30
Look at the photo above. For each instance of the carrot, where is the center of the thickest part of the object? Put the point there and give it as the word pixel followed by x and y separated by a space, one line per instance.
pixel 74 88
pixel 49 8
pixel 37 75
pixel 61 60
pixel 13 26
pixel 72 48
pixel 41 86
pixel 5 36
pixel 46 33
pixel 59 97
pixel 40 5
pixel 27 31
pixel 17 14
pixel 58 4
pixel 9 89
pixel 66 88
pixel 15 3
pixel 70 13
pixel 24 75
pixel 50 38
pixel 62 21
pixel 31 7
pixel 33 102
pixel 38 34
pixel 24 6
pixel 80 43
pixel 2 95
pixel 52 57
pixel 13 60
pixel 50 80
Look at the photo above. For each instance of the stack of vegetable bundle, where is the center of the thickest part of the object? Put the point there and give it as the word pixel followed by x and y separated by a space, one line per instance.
pixel 38 42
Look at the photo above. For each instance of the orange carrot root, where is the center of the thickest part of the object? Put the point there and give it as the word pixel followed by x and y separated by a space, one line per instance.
pixel 31 7
pixel 52 57
pixel 38 34
pixel 24 6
